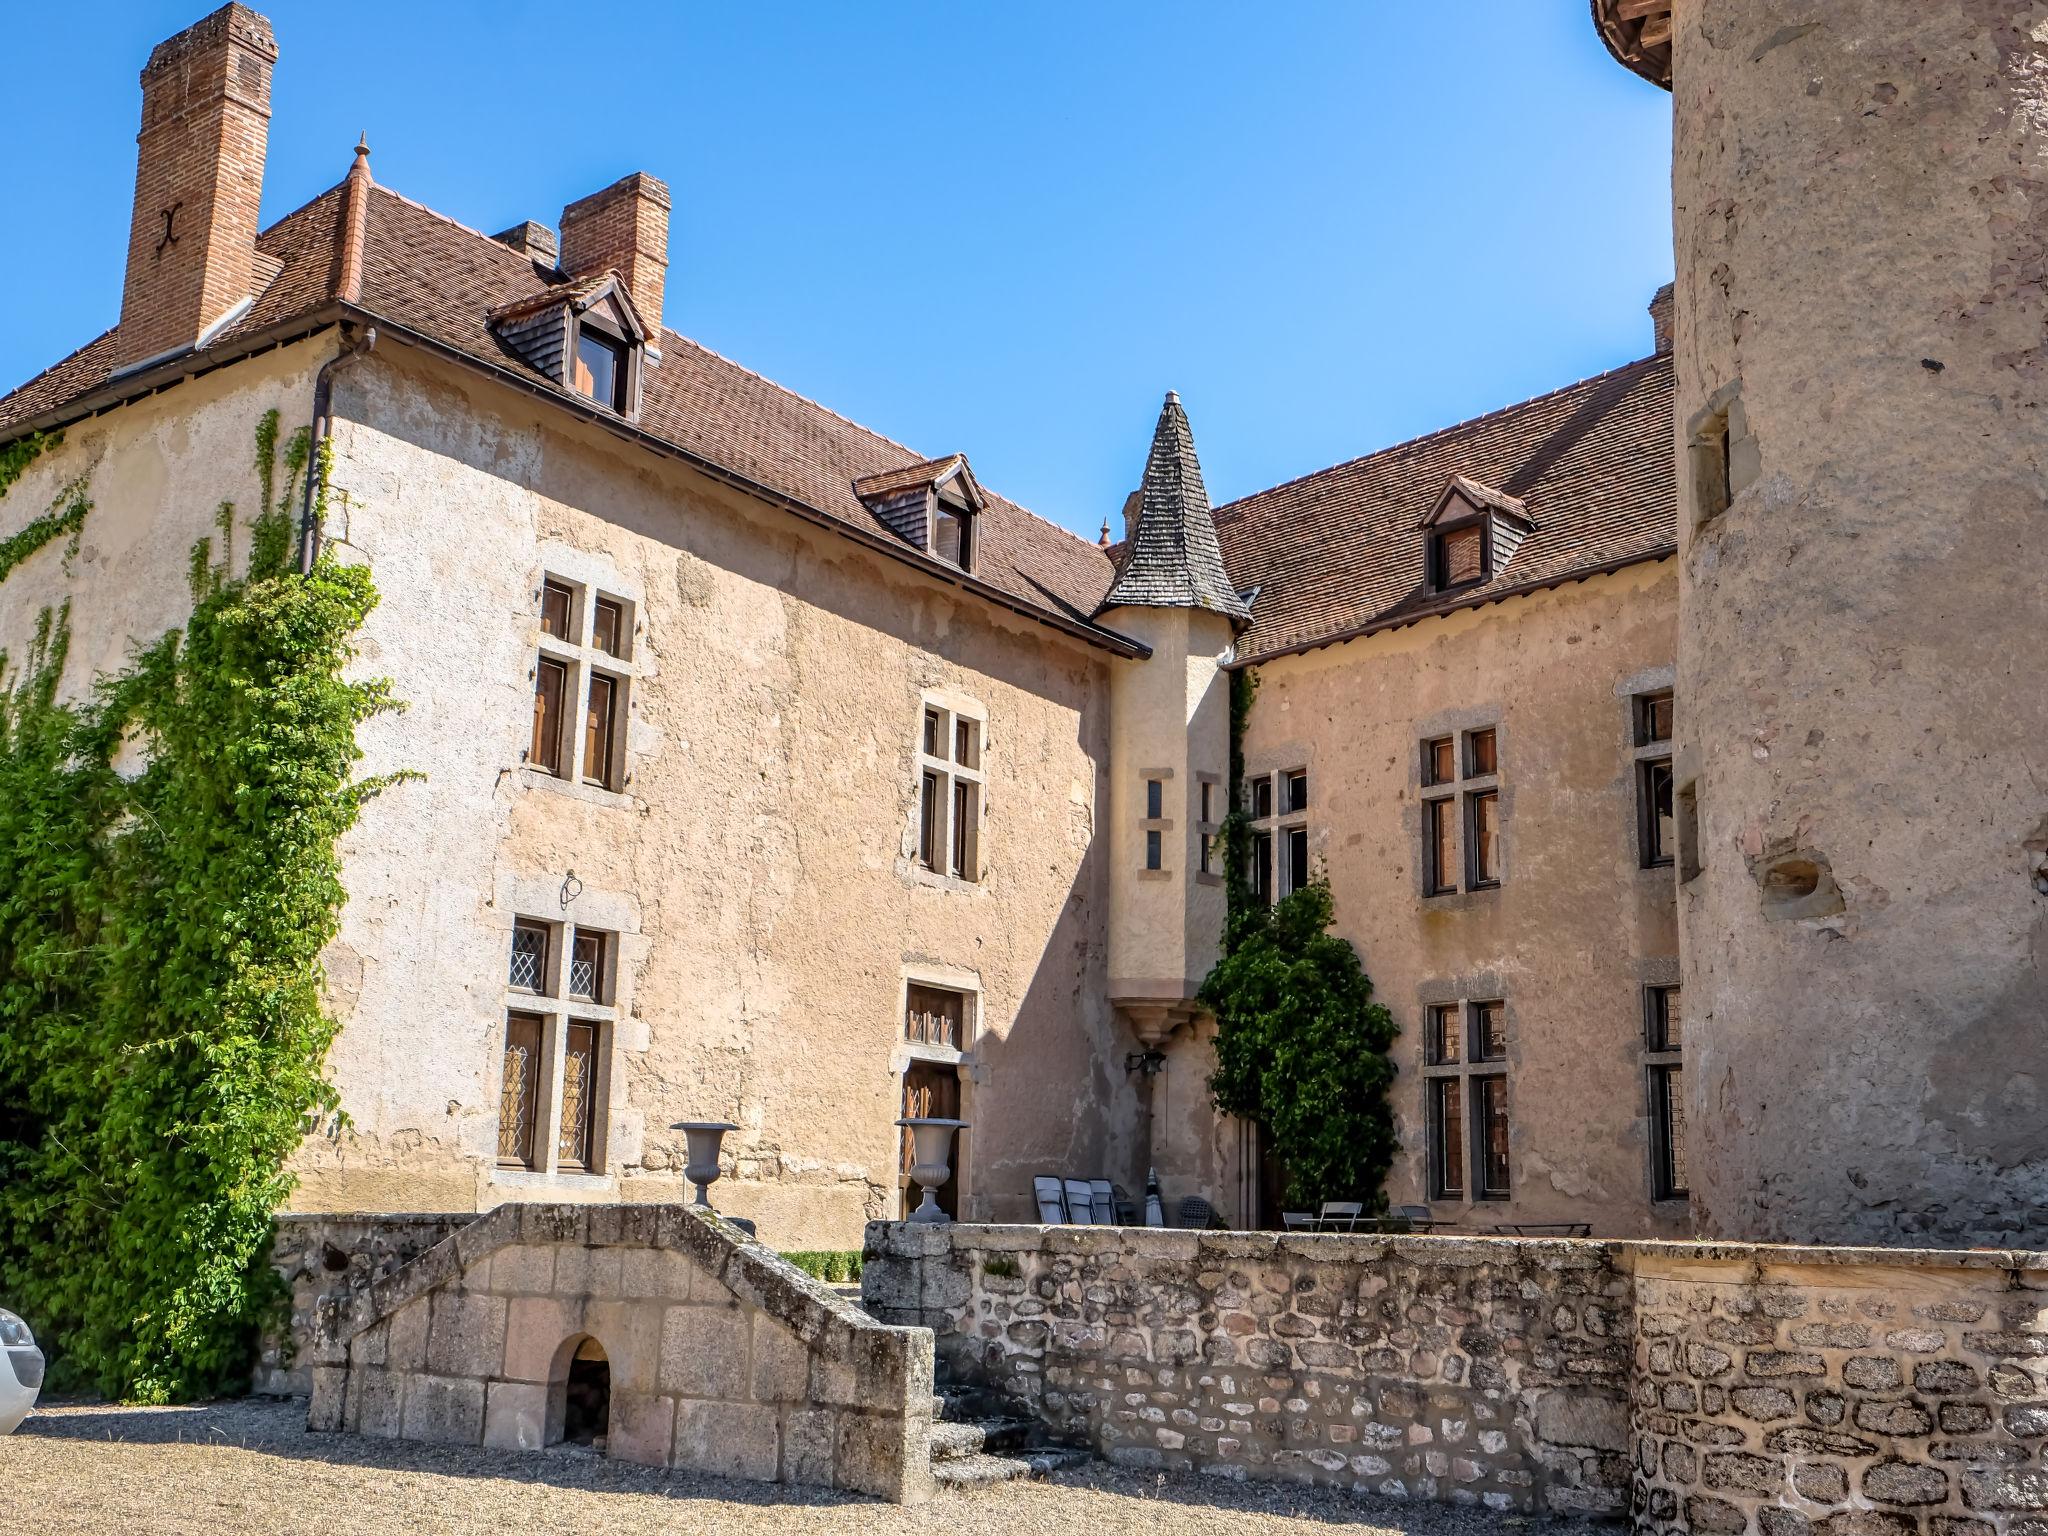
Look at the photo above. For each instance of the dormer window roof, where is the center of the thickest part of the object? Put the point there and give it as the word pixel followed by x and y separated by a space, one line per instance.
pixel 585 335
pixel 1471 534
pixel 932 505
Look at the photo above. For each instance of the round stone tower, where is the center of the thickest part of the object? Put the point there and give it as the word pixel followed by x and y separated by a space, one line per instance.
pixel 1860 193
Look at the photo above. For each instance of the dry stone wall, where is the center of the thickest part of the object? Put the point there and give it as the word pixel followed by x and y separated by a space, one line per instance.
pixel 1726 1390
pixel 721 1358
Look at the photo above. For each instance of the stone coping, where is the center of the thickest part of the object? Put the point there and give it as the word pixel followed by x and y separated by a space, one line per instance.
pixel 906 1239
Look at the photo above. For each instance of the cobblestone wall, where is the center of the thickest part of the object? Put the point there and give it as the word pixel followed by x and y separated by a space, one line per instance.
pixel 1726 1390
pixel 1478 1372
pixel 324 1258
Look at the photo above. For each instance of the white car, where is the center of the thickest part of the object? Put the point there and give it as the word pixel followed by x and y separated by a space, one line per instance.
pixel 21 1371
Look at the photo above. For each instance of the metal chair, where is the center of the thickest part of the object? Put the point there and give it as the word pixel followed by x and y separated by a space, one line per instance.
pixel 1052 1201
pixel 1125 1207
pixel 1340 1215
pixel 1198 1213
pixel 1298 1221
pixel 1080 1203
pixel 1103 1198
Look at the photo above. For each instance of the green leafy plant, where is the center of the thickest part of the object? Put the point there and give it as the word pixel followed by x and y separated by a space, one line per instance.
pixel 168 879
pixel 834 1266
pixel 1301 1047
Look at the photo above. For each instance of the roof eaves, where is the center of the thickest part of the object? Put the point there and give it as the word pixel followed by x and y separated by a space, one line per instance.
pixel 1394 621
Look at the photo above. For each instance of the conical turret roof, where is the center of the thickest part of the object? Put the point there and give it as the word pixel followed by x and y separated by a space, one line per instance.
pixel 1174 560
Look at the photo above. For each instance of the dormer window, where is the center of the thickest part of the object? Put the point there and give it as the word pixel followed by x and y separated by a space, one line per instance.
pixel 953 534
pixel 600 370
pixel 931 505
pixel 1472 534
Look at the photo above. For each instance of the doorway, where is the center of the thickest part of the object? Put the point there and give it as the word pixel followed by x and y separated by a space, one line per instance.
pixel 931 1091
pixel 587 1396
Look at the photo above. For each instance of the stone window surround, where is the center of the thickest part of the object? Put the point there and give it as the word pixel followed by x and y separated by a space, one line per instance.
pixel 1209 830
pixel 589 576
pixel 1653 974
pixel 1148 824
pixel 966 1061
pixel 1463 993
pixel 1629 691
pixel 1280 822
pixel 963 706
pixel 1457 724
pixel 558 902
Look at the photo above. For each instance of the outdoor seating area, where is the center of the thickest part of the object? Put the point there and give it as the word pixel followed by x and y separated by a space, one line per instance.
pixel 1067 1201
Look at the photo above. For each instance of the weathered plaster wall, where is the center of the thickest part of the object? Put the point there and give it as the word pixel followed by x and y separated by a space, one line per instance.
pixel 1577 927
pixel 1861 196
pixel 720 1357
pixel 156 472
pixel 759 863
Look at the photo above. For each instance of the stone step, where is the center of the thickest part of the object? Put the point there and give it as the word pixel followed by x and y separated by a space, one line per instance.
pixel 955 1442
pixel 983 1470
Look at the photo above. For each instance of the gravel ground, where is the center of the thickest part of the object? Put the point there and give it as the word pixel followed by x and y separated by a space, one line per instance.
pixel 250 1466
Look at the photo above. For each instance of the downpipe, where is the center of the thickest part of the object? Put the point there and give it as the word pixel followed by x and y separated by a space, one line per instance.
pixel 323 426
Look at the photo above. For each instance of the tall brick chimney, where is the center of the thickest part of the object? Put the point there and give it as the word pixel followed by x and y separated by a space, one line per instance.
pixel 624 226
pixel 198 180
pixel 1660 318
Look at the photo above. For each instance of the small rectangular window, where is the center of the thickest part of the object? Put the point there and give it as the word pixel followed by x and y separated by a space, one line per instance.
pixel 550 687
pixel 608 627
pixel 1483 836
pixel 600 369
pixel 965 808
pixel 1439 763
pixel 586 966
pixel 519 1091
pixel 1152 849
pixel 1480 755
pixel 1444 1046
pixel 1297 858
pixel 1155 799
pixel 1262 799
pixel 1295 786
pixel 931 806
pixel 598 726
pixel 1489 1032
pixel 1653 718
pixel 1447 1138
pixel 953 536
pixel 529 971
pixel 1491 1094
pixel 1666 1024
pixel 1659 820
pixel 1208 801
pixel 966 742
pixel 1440 846
pixel 576 1144
pixel 934 733
pixel 935 1016
pixel 557 610
pixel 1262 866
pixel 1461 556
pixel 1667 1131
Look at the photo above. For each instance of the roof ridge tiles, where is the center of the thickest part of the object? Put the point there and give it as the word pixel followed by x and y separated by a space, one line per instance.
pixel 1233 509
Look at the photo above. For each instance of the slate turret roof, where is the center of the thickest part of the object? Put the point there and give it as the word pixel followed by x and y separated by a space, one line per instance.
pixel 1174 560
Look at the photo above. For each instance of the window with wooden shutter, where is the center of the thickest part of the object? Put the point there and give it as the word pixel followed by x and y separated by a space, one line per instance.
pixel 579 1097
pixel 519 1093
pixel 598 727
pixel 550 686
pixel 1461 556
pixel 580 712
pixel 949 784
pixel 1447 1138
pixel 1439 846
pixel 1483 832
pixel 1492 1106
pixel 608 627
pixel 935 1016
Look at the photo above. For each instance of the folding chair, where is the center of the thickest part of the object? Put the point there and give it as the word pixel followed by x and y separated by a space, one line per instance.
pixel 1080 1203
pixel 1052 1202
pixel 1297 1221
pixel 1104 1200
pixel 1125 1207
pixel 1341 1215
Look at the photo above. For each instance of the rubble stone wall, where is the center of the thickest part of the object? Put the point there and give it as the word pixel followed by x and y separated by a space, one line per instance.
pixel 1725 1389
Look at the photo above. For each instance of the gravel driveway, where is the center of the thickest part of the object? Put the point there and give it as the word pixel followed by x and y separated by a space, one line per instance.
pixel 250 1466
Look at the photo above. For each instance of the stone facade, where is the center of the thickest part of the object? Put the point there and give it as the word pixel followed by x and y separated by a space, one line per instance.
pixel 1723 1390
pixel 720 1357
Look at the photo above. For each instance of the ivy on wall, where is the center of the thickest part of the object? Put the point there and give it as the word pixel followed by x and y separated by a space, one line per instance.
pixel 1301 1047
pixel 168 878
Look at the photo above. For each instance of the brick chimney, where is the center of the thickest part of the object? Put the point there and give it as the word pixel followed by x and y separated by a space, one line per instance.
pixel 1660 318
pixel 198 180
pixel 624 226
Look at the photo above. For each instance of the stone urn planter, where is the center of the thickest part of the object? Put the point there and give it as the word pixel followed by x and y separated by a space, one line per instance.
pixel 931 1159
pixel 703 1138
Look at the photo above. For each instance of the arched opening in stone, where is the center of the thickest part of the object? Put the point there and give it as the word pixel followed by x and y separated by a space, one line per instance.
pixel 580 1409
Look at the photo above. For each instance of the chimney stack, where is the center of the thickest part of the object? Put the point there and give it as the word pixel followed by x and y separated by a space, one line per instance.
pixel 1660 318
pixel 198 181
pixel 624 226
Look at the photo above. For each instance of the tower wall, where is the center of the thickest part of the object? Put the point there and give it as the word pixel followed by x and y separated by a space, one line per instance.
pixel 1861 209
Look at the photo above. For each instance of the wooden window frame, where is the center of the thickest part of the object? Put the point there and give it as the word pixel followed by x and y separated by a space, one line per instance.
pixel 1663 1080
pixel 951 795
pixel 625 365
pixel 1483 1084
pixel 1278 804
pixel 1450 861
pixel 1209 794
pixel 944 512
pixel 1482 871
pixel 595 687
pixel 1448 1153
pixel 1460 1026
pixel 521 1021
pixel 562 1125
pixel 1439 553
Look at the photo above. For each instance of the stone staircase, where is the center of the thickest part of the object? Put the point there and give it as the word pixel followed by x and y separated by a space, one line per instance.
pixel 978 1439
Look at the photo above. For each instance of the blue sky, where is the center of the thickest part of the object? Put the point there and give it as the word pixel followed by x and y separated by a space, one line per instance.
pixel 1004 230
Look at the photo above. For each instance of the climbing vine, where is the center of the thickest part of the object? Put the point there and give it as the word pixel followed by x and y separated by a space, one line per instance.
pixel 67 509
pixel 168 879
pixel 1301 1047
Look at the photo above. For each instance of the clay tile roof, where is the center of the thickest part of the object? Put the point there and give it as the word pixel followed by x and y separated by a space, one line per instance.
pixel 1341 551
pixel 1173 560
pixel 1484 496
pixel 426 274
pixel 924 472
